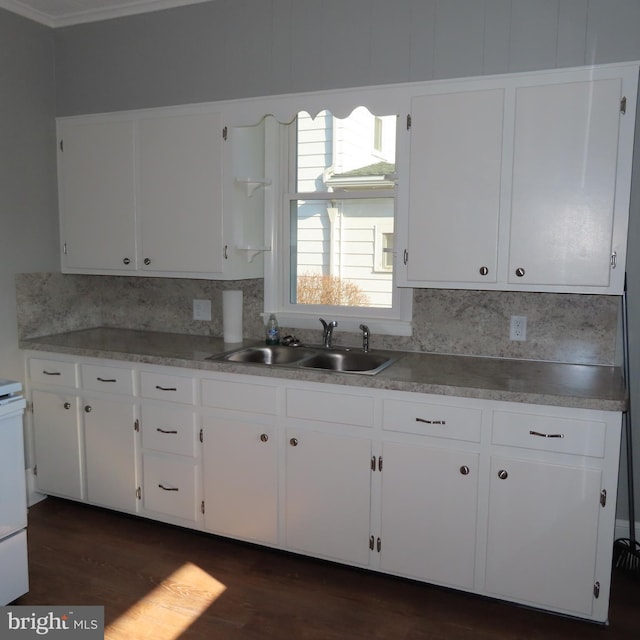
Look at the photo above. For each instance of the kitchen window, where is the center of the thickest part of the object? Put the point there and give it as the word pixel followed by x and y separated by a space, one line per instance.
pixel 336 224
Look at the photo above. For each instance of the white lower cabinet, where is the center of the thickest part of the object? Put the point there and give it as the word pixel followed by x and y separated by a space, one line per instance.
pixel 57 441
pixel 110 452
pixel 543 533
pixel 327 495
pixel 508 500
pixel 240 472
pixel 429 513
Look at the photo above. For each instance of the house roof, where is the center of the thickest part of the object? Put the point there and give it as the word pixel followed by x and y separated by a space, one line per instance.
pixel 376 169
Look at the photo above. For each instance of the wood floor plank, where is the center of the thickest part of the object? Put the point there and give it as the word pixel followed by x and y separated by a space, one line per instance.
pixel 159 582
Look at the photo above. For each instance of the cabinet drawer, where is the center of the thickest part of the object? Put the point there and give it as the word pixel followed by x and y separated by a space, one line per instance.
pixel 53 372
pixel 160 386
pixel 549 433
pixel 239 396
pixel 168 429
pixel 169 486
pixel 330 407
pixel 104 378
pixel 436 420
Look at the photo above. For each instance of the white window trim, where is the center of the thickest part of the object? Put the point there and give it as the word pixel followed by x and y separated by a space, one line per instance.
pixel 393 321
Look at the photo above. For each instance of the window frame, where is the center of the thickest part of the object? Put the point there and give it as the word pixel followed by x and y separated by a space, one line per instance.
pixel 280 156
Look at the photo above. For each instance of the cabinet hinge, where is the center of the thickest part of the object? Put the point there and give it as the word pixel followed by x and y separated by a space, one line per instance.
pixel 136 425
pixel 623 105
pixel 224 133
pixel 603 498
pixel 61 145
pixel 202 507
pixel 596 590
pixel 408 121
pixel 379 463
pixel 139 493
pixel 30 406
pixel 201 436
pixel 614 260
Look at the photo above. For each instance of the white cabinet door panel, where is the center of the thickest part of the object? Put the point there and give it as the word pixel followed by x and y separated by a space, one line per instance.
pixel 97 195
pixel 564 179
pixel 542 535
pixel 456 163
pixel 180 185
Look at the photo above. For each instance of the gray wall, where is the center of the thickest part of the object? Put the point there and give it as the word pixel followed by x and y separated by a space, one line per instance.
pixel 237 48
pixel 28 210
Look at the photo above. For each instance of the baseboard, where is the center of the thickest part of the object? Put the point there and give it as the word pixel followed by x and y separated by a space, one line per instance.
pixel 33 495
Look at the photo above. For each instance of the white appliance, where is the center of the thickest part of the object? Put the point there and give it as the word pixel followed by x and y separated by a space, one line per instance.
pixel 14 573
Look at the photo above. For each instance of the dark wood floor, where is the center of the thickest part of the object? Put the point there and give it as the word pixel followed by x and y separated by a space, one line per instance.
pixel 161 582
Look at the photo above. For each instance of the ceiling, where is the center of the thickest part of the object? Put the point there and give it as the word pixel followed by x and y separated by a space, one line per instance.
pixel 59 13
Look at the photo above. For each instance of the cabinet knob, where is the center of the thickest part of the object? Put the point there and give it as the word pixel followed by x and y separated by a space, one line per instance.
pixel 464 470
pixel 126 261
pixel 293 442
pixel 88 408
pixel 519 272
pixel 484 271
pixel 502 474
pixel 147 261
pixel 67 405
pixel 264 437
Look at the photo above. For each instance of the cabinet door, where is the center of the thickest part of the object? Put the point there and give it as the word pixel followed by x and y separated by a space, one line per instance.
pixel 564 179
pixel 542 533
pixel 56 427
pixel 97 195
pixel 454 203
pixel 328 495
pixel 428 515
pixel 241 479
pixel 180 173
pixel 110 452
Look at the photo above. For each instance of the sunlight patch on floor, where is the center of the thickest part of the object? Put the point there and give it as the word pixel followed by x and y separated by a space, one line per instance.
pixel 169 609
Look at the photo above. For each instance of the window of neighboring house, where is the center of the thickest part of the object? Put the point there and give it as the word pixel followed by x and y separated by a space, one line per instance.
pixel 337 230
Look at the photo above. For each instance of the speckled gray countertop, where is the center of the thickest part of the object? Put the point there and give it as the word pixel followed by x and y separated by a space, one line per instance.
pixel 567 385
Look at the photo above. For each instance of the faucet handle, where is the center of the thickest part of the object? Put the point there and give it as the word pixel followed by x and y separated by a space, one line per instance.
pixel 365 337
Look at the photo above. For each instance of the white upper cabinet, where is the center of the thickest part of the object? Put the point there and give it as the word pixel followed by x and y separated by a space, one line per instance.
pixel 521 182
pixel 97 195
pixel 455 173
pixel 141 193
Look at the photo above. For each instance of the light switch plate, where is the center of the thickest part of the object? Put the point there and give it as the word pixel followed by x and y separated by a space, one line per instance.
pixel 202 309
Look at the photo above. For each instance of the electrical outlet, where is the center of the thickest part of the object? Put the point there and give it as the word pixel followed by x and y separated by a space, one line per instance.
pixel 202 309
pixel 518 330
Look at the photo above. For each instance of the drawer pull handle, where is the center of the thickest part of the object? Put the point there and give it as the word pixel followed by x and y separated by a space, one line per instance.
pixel 161 486
pixel 165 388
pixel 51 373
pixel 464 470
pixel 88 408
pixel 293 442
pixel 264 437
pixel 503 474
pixel 546 435
pixel 431 421
pixel 166 430
pixel 99 379
pixel 67 405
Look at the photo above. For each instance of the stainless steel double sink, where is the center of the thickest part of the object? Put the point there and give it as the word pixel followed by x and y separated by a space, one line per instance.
pixel 338 359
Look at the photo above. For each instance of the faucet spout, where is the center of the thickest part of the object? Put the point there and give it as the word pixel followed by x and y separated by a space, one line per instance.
pixel 365 337
pixel 327 332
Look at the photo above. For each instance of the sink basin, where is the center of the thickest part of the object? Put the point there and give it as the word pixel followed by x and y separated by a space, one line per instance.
pixel 348 361
pixel 269 355
pixel 339 359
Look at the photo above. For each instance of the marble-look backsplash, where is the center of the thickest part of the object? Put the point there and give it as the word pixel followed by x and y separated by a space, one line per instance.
pixel 560 327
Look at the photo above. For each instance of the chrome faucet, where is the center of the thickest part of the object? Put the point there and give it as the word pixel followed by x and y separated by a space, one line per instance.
pixel 365 337
pixel 327 333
